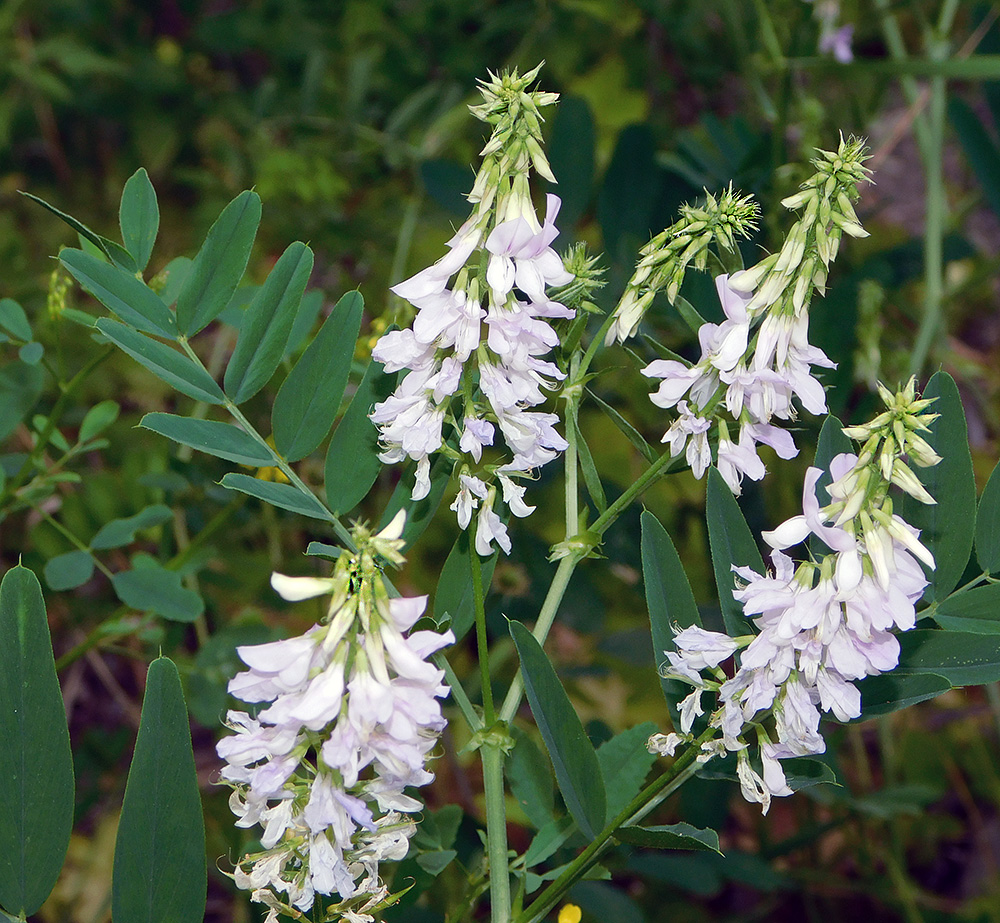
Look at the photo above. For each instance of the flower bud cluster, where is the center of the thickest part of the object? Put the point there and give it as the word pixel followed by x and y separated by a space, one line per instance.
pixel 823 624
pixel 759 359
pixel 665 259
pixel 460 387
pixel 351 714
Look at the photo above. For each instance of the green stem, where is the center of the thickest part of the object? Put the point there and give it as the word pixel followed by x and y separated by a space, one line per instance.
pixel 496 833
pixel 653 794
pixel 479 606
pixel 71 537
pixel 458 693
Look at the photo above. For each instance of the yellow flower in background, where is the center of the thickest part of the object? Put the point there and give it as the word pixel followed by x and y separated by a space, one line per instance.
pixel 569 913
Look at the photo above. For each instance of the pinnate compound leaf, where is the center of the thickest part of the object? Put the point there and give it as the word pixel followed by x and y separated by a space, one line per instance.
pixel 732 543
pixel 578 772
pixel 160 873
pixel 963 658
pixel 35 759
pixel 625 763
pixel 150 587
pixel 173 367
pixel 281 495
pixel 352 462
pixel 453 596
pixel 267 324
pixel 220 439
pixel 309 398
pixel 70 570
pixel 139 217
pixel 219 265
pixel 976 610
pixel 119 532
pixel 670 836
pixel 669 599
pixel 988 525
pixel 947 527
pixel 889 692
pixel 121 293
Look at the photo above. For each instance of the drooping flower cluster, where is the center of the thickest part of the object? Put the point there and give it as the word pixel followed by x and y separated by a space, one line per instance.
pixel 825 623
pixel 754 363
pixel 498 271
pixel 351 714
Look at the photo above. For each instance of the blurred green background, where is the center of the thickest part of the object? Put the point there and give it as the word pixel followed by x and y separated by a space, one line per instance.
pixel 350 120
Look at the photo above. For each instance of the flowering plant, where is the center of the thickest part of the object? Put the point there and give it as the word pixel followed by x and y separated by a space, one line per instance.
pixel 341 725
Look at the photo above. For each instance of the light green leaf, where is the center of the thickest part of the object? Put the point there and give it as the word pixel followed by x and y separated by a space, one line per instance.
pixel 160 869
pixel 453 596
pixel 121 293
pixel 31 353
pixel 670 836
pixel 14 320
pixel 139 217
pixel 219 265
pixel 988 525
pixel 70 570
pixel 578 772
pixel 281 495
pixel 35 760
pixel 352 462
pixel 121 532
pixel 150 587
pixel 590 476
pixel 732 544
pixel 267 324
pixel 98 419
pixel 963 658
pixel 669 598
pixel 976 610
pixel 220 439
pixel 309 398
pixel 173 367
pixel 625 763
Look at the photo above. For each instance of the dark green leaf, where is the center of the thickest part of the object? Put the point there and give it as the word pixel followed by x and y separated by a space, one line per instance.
pixel 160 868
pixel 219 265
pixel 267 324
pixel 323 550
pixel 220 439
pixel 282 495
pixel 946 528
pixel 98 419
pixel 66 571
pixel 434 863
pixel 175 274
pixel 984 158
pixel 961 657
pixel 571 156
pixel 20 387
pixel 732 545
pixel 625 763
pixel 305 320
pixel 173 367
pixel 352 462
pixel 35 759
pixel 453 596
pixel 548 840
pixel 889 692
pixel 150 587
pixel 308 400
pixel 629 431
pixel 688 313
pixel 114 252
pixel 139 217
pixel 669 599
pixel 121 293
pixel 670 836
pixel 14 320
pixel 590 476
pixel 530 778
pixel 121 532
pixel 976 610
pixel 988 525
pixel 831 443
pixel 578 772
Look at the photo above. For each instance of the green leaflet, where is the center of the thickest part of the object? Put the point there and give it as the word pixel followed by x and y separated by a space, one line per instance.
pixel 976 610
pixel 267 324
pixel 453 596
pixel 139 217
pixel 625 762
pixel 220 439
pixel 530 778
pixel 119 532
pixel 988 525
pixel 163 361
pixel 35 759
pixel 309 398
pixel 150 587
pixel 281 495
pixel 578 772
pixel 670 836
pixel 160 868
pixel 732 544
pixel 219 265
pixel 69 570
pixel 889 692
pixel 963 658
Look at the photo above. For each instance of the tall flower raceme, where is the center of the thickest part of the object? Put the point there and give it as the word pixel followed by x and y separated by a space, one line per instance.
pixel 475 353
pixel 823 624
pixel 351 715
pixel 755 364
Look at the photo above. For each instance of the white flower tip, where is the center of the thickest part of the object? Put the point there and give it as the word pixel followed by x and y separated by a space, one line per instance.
pixel 394 530
pixel 295 589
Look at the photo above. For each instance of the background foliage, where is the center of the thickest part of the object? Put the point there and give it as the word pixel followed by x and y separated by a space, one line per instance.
pixel 349 121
